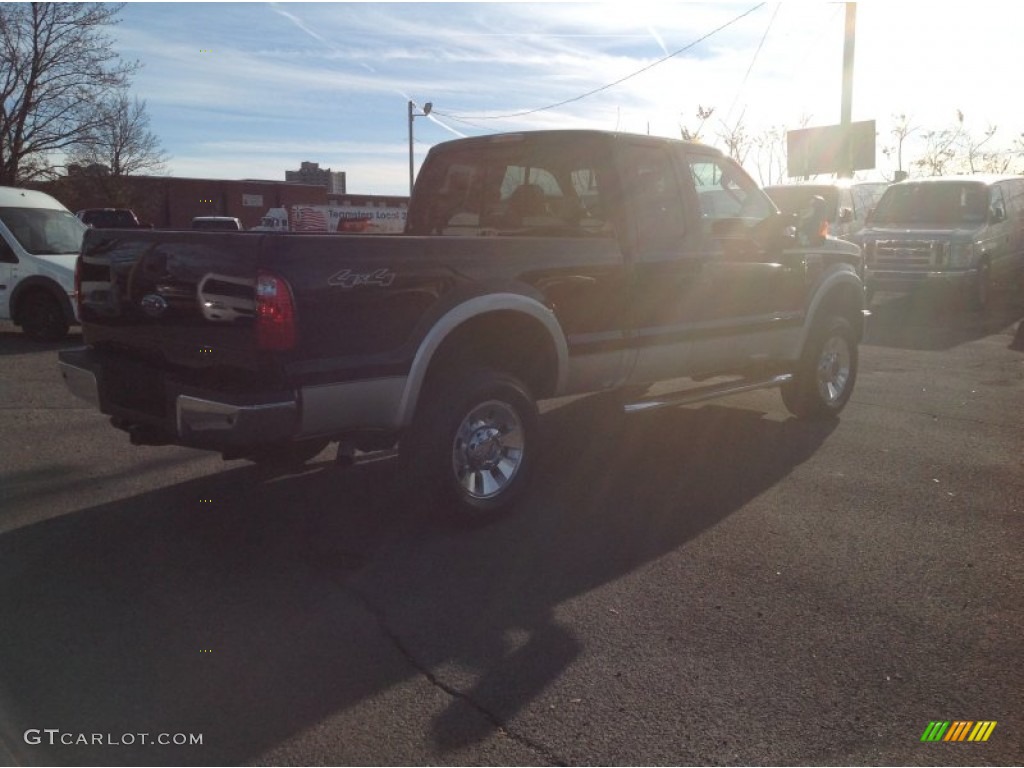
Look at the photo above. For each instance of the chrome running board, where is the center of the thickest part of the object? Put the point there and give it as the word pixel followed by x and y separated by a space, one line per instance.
pixel 699 394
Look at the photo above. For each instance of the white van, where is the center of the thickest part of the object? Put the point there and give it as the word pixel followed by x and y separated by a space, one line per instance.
pixel 39 242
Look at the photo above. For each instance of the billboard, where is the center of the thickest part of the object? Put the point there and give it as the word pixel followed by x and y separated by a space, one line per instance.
pixel 822 150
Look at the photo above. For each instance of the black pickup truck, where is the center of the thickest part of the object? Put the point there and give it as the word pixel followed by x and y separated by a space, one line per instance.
pixel 533 265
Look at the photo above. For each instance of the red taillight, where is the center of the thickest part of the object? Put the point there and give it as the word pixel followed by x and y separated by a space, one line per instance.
pixel 275 313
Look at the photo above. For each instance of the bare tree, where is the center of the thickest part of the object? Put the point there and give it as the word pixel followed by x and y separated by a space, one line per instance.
pixel 703 115
pixel 736 140
pixel 122 140
pixel 900 131
pixel 941 148
pixel 771 155
pixel 56 64
pixel 979 159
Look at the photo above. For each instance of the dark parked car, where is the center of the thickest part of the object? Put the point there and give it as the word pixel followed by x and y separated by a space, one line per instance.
pixel 229 223
pixel 111 218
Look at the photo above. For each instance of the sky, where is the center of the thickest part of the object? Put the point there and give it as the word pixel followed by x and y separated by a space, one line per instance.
pixel 249 90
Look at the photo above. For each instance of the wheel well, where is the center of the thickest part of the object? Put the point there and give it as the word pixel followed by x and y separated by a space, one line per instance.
pixel 507 341
pixel 40 285
pixel 845 300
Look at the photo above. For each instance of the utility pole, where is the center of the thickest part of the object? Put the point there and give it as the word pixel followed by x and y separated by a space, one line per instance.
pixel 425 111
pixel 846 156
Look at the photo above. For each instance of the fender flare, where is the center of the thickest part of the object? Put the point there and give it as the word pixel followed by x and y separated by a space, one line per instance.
pixel 50 286
pixel 455 317
pixel 836 278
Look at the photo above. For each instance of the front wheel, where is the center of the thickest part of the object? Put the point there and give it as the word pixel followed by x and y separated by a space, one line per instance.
pixel 473 443
pixel 42 318
pixel 826 373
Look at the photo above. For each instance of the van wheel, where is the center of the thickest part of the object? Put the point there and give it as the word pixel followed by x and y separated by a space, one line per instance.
pixel 473 445
pixel 42 317
pixel 825 374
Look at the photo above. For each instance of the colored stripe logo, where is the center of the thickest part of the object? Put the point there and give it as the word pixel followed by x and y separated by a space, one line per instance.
pixel 958 730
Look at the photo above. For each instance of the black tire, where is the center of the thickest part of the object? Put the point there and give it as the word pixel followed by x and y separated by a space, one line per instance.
pixel 981 292
pixel 473 444
pixel 42 317
pixel 826 373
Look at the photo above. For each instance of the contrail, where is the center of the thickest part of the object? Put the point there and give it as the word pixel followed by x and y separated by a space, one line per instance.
pixel 298 23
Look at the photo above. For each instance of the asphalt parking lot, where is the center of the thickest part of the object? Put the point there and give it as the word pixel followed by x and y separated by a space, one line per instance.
pixel 716 584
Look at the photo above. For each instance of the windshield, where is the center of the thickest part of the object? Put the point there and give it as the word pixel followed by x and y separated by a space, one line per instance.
pixel 939 203
pixel 796 198
pixel 44 230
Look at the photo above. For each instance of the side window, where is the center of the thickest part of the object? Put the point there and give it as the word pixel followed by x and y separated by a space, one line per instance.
pixel 649 183
pixel 996 203
pixel 725 192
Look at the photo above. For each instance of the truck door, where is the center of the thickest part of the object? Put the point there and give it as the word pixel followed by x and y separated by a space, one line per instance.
pixel 665 261
pixel 748 303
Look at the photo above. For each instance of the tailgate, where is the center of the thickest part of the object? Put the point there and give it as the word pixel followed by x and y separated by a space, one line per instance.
pixel 180 300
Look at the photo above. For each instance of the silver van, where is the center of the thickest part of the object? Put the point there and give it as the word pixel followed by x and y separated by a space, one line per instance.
pixel 963 231
pixel 39 242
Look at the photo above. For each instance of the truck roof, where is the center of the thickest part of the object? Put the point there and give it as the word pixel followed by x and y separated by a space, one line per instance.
pixel 572 134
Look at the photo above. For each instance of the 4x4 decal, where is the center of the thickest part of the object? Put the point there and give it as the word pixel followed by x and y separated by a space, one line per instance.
pixel 348 279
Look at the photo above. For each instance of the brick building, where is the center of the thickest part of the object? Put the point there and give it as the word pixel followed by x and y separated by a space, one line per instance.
pixel 169 202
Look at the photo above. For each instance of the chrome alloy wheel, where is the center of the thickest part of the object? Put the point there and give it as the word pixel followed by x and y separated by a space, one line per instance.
pixel 834 369
pixel 488 449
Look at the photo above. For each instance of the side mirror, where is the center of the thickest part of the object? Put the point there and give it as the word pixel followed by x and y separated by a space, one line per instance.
pixel 845 215
pixel 813 227
pixel 997 214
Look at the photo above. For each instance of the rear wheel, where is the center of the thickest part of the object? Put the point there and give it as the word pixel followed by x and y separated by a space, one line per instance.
pixel 42 317
pixel 826 373
pixel 473 443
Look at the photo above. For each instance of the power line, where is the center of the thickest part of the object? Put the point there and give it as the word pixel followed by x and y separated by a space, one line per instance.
pixel 609 85
pixel 760 45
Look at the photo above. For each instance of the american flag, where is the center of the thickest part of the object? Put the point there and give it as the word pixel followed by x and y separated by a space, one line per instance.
pixel 309 220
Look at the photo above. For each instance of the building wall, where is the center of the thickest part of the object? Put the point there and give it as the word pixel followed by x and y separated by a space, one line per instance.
pixel 171 203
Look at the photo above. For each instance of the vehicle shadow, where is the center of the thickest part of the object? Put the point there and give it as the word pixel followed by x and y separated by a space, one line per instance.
pixel 252 611
pixel 932 322
pixel 14 342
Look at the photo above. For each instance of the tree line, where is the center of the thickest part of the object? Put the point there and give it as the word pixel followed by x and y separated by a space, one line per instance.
pixel 65 96
pixel 914 149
